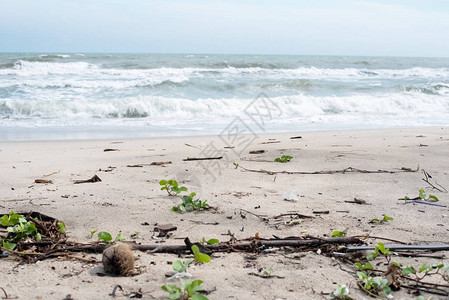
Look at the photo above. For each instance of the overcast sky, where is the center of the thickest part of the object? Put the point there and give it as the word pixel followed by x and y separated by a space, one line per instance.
pixel 312 27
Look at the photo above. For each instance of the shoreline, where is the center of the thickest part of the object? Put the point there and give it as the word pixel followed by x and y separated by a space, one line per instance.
pixel 128 197
pixel 54 134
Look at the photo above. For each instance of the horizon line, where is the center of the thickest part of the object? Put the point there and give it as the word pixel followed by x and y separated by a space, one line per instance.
pixel 203 53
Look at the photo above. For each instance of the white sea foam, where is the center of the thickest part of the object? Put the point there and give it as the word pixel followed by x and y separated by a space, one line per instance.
pixel 72 84
pixel 392 109
pixel 27 68
pixel 55 55
pixel 201 92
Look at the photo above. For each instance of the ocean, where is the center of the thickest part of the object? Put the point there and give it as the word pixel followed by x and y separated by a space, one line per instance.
pixel 82 96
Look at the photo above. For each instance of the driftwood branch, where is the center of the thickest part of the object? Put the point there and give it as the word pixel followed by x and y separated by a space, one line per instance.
pixel 324 172
pixel 266 218
pixel 201 158
pixel 188 145
pixel 265 276
pixel 44 181
pixel 395 247
pixel 154 163
pixel 271 142
pixel 422 287
pixel 293 214
pixel 259 244
pixel 94 178
pixel 250 245
pixel 364 237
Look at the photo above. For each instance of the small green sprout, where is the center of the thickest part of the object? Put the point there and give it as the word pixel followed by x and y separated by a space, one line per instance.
pixel 200 257
pixel 422 193
pixel 174 292
pixel 209 242
pixel 188 290
pixel 341 292
pixel 120 237
pixel 24 229
pixel 172 187
pixel 380 249
pixel 107 237
pixel 92 232
pixel 61 227
pixel 268 273
pixel 283 158
pixel 425 270
pixel 366 266
pixel 18 228
pixel 189 204
pixel 180 266
pixel 11 220
pixel 373 285
pixel 423 196
pixel 104 236
pixel 383 220
pixel 337 233
pixel 408 270
pixel 8 245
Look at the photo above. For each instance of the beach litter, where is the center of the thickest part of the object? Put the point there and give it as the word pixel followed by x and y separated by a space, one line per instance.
pixel 292 196
pixel 44 181
pixel 424 202
pixel 257 152
pixel 95 178
pixel 179 275
pixel 358 201
pixel 163 230
pixel 201 158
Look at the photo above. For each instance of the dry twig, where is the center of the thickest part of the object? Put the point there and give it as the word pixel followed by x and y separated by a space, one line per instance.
pixel 427 178
pixel 201 158
pixel 323 172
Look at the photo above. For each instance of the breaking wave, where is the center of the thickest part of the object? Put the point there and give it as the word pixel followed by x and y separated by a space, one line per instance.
pixel 393 109
pixel 32 68
pixel 38 90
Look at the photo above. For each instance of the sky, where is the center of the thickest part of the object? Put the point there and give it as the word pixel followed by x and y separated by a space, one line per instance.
pixel 307 27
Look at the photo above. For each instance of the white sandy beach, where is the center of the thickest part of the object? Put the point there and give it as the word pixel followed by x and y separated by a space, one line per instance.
pixel 128 197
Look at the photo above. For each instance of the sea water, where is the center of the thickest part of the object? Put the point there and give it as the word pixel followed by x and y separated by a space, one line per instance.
pixel 81 95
